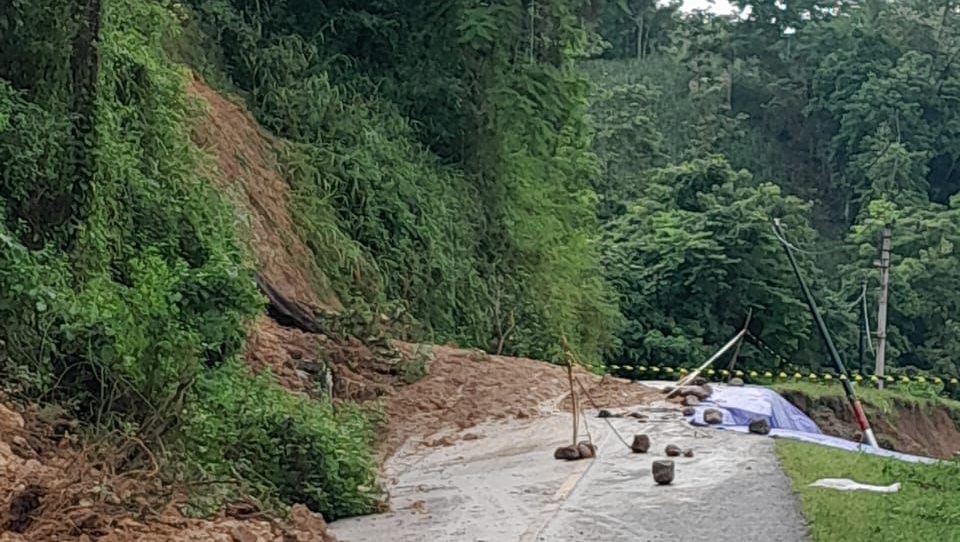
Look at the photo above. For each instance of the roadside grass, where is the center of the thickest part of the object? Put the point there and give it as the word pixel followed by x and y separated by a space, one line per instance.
pixel 881 399
pixel 926 509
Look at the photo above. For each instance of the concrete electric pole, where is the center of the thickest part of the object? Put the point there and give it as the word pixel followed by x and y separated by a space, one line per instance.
pixel 884 264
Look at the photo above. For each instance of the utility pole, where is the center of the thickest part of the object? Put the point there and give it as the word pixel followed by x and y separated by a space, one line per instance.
pixel 884 264
pixel 855 404
pixel 861 323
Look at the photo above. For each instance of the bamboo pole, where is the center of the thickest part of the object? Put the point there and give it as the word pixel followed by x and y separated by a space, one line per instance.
pixel 736 338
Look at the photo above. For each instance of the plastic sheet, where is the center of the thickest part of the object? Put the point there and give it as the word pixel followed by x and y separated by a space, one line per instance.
pixel 846 484
pixel 741 405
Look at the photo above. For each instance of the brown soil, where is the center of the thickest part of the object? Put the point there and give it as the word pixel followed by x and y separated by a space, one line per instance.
pixel 246 171
pixel 909 427
pixel 289 353
pixel 465 388
pixel 53 489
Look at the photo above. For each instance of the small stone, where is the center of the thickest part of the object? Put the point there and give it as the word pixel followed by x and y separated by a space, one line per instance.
pixel 641 444
pixel 604 413
pixel 241 533
pixel 663 472
pixel 699 381
pixel 638 415
pixel 568 453
pixel 586 450
pixel 691 401
pixel 689 411
pixel 470 436
pixel 760 426
pixel 672 450
pixel 22 448
pixel 688 452
pixel 712 416
pixel 736 382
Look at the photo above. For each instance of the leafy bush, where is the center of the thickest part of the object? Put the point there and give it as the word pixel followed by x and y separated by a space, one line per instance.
pixel 282 447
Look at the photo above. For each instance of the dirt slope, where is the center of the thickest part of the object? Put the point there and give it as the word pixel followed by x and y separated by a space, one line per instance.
pixel 904 426
pixel 246 172
pixel 54 489
pixel 465 388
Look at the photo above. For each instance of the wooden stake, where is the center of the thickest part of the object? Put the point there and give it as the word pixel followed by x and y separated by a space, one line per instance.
pixel 736 351
pixel 574 404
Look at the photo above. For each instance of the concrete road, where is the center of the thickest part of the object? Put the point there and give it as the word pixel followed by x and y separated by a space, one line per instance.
pixel 506 486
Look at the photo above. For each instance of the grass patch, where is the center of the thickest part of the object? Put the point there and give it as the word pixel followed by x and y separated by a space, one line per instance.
pixel 926 508
pixel 884 400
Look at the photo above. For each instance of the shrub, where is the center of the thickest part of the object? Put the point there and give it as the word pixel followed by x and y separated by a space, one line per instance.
pixel 282 447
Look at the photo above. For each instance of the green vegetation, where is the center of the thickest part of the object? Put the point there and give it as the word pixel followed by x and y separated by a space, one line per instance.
pixel 883 400
pixel 924 509
pixel 443 157
pixel 853 107
pixel 501 174
pixel 125 289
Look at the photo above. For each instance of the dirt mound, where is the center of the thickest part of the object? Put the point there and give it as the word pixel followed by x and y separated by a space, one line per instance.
pixel 54 489
pixel 290 354
pixel 904 426
pixel 465 388
pixel 611 392
pixel 302 362
pixel 246 172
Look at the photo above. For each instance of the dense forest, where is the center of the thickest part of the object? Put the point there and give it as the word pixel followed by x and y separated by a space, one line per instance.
pixel 508 174
pixel 837 117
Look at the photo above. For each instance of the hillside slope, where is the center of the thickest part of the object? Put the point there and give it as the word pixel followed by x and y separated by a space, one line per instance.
pixel 246 171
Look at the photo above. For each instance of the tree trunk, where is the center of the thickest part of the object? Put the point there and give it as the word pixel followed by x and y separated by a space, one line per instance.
pixel 84 73
pixel 640 38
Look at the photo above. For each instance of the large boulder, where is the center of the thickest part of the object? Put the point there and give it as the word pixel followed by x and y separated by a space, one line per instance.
pixel 712 416
pixel 587 450
pixel 568 453
pixel 691 401
pixel 663 472
pixel 759 426
pixel 641 444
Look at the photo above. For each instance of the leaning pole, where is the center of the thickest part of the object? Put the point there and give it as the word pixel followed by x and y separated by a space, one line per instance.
pixel 825 335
